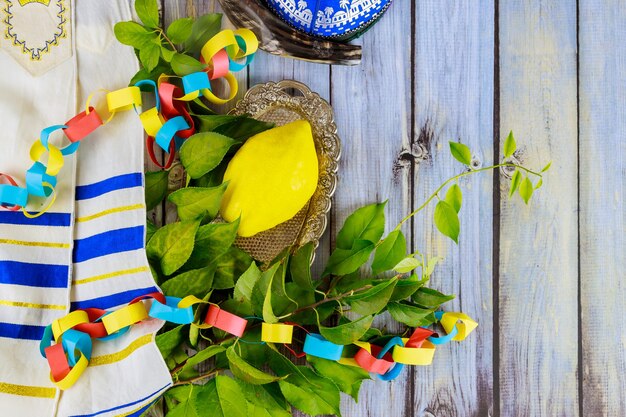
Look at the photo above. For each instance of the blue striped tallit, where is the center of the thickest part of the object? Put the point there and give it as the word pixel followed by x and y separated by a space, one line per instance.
pixel 88 251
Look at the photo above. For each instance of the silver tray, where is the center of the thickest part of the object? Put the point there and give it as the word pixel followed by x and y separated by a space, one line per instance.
pixel 281 103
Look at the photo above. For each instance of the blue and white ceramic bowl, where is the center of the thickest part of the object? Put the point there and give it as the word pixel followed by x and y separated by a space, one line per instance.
pixel 343 19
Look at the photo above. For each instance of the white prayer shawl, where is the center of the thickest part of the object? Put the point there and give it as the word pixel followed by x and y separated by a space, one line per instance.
pixel 88 250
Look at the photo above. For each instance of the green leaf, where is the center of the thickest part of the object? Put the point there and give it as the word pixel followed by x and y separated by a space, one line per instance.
pixel 372 300
pixel 430 267
pixel 509 145
pixel 221 397
pixel 406 287
pixel 447 221
pixel 198 202
pixel 526 190
pixel 204 151
pixel 133 34
pixel 300 266
pixel 148 12
pixel 407 265
pixel 320 396
pixel 203 29
pixel 261 403
pixel 430 298
pixel 229 267
pixel 246 372
pixel 188 370
pixel 149 56
pixel 347 378
pixel 144 74
pixel 454 197
pixel 245 286
pixel 150 230
pixel 196 282
pixel 184 405
pixel 209 122
pixel 347 333
pixel 539 184
pixel 172 245
pixel 547 167
pixel 516 179
pixel 390 252
pixel 167 53
pixel 263 285
pixel 168 341
pixel 461 153
pixel 180 29
pixel 346 261
pixel 410 315
pixel 243 128
pixel 211 242
pixel 268 311
pixel 156 188
pixel 184 64
pixel 366 223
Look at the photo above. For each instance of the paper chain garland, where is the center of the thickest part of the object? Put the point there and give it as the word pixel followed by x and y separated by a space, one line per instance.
pixel 167 124
pixel 69 356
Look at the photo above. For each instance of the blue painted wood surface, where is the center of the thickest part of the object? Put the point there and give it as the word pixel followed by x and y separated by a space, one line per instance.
pixel 545 280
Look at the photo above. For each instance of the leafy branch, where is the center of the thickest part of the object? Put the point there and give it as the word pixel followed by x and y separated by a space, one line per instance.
pixel 197 256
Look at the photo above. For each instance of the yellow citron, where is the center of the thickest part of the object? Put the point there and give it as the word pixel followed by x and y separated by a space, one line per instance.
pixel 271 178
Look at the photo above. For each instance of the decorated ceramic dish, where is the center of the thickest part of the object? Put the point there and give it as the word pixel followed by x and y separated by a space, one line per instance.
pixel 277 103
pixel 341 19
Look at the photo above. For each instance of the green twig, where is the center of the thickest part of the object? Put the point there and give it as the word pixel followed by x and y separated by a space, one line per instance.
pixel 456 177
pixel 198 378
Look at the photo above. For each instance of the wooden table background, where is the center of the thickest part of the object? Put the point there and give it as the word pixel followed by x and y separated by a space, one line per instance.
pixel 545 280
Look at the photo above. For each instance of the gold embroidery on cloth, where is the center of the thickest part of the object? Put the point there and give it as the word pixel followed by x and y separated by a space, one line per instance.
pixel 27 391
pixel 25 2
pixel 35 52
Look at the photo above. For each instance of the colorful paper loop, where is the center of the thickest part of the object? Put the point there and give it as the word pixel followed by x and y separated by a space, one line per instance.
pixel 55 157
pixel 316 345
pixel 171 312
pixel 397 368
pixel 459 321
pixel 74 341
pixel 95 327
pixel 370 362
pixel 276 333
pixel 12 197
pixel 152 121
pixel 125 316
pixel 170 158
pixel 45 137
pixel 65 323
pixel 167 133
pixel 124 99
pixel 81 125
pixel 422 355
pixel 223 320
pixel 153 88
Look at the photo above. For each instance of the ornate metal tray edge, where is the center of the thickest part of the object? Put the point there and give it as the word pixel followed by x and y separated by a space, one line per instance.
pixel 312 107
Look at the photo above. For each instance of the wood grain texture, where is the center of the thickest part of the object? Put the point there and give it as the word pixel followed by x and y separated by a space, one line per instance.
pixel 373 108
pixel 602 156
pixel 538 335
pixel 454 44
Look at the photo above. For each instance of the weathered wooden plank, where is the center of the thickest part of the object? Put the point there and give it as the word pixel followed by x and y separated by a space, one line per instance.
pixel 373 111
pixel 602 156
pixel 454 83
pixel 538 335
